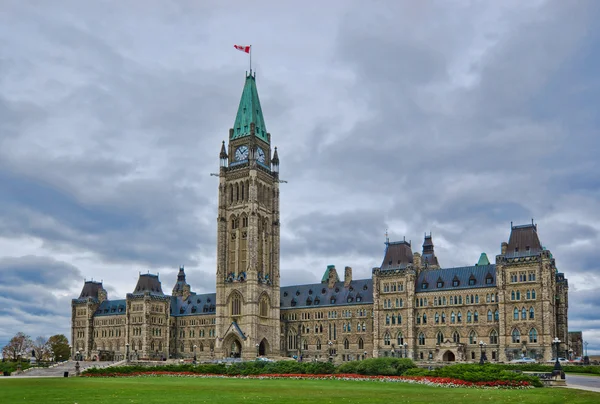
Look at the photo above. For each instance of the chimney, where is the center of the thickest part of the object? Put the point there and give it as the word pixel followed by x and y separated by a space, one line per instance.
pixel 504 247
pixel 102 295
pixel 347 276
pixel 332 277
pixel 417 261
pixel 186 292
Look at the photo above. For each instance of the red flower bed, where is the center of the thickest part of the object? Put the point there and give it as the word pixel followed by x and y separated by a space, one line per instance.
pixel 427 380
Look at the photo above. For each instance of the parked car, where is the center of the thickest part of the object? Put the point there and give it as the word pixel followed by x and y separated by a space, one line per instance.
pixel 560 360
pixel 524 359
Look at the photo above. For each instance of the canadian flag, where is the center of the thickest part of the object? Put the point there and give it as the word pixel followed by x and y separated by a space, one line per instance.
pixel 243 48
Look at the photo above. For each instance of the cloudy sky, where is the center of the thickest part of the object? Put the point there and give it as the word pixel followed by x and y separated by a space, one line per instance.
pixel 450 117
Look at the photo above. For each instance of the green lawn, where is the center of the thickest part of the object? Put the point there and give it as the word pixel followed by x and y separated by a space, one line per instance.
pixel 191 390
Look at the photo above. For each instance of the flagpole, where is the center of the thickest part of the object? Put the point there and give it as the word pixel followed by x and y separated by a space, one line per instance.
pixel 250 59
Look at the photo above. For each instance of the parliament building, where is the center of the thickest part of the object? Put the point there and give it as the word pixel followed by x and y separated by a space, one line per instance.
pixel 410 307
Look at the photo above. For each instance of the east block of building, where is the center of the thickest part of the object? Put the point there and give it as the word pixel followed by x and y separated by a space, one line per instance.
pixel 411 306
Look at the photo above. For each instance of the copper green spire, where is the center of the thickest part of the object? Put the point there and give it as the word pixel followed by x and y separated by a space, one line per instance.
pixel 249 112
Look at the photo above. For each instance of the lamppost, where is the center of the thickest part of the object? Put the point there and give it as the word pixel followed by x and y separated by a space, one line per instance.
pixel 482 357
pixel 556 343
pixel 257 347
pixel 406 349
pixel 570 354
pixel 393 351
pixel 195 346
pixel 77 356
pixel 330 351
pixel 127 352
pixel 365 355
pixel 71 353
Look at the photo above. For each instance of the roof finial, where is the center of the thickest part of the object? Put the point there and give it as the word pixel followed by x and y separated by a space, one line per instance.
pixel 387 238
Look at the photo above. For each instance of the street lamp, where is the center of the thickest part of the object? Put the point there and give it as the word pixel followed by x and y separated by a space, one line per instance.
pixel 406 349
pixel 365 357
pixel 257 348
pixel 127 352
pixel 330 351
pixel 570 354
pixel 556 343
pixel 393 351
pixel 195 346
pixel 482 357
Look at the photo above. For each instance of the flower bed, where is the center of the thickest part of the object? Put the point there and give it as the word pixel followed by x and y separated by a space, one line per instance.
pixel 426 380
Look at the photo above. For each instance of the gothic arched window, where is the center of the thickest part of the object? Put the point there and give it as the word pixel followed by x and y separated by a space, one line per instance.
pixel 533 335
pixel 236 304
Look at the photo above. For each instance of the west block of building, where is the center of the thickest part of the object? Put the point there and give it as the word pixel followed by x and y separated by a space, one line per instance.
pixel 411 306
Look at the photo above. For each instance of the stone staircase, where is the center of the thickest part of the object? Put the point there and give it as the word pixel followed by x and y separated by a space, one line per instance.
pixel 59 369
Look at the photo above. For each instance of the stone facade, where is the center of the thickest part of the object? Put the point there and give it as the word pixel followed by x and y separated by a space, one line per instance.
pixel 411 306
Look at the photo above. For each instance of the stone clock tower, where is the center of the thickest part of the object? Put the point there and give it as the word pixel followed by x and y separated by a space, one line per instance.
pixel 247 312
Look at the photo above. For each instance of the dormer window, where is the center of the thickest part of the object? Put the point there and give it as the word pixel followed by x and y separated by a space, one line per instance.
pixel 440 284
pixel 527 248
pixel 297 293
pixel 285 294
pixel 332 301
pixel 424 285
pixel 455 282
pixel 516 249
pixel 489 280
pixel 472 280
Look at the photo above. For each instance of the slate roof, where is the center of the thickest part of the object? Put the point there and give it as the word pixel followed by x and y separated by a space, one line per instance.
pixel 462 274
pixel 148 283
pixel 112 308
pixel 521 237
pixel 359 291
pixel 193 305
pixel 397 255
pixel 90 289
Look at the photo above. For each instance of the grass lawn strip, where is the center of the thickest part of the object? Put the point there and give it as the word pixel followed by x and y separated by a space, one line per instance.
pixel 154 390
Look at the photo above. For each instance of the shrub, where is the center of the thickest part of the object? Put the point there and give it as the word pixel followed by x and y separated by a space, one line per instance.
pixel 377 367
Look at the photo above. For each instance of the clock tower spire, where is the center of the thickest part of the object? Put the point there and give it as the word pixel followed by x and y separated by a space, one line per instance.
pixel 247 318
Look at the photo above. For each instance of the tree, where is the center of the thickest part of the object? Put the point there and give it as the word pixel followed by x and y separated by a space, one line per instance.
pixel 19 345
pixel 59 344
pixel 40 348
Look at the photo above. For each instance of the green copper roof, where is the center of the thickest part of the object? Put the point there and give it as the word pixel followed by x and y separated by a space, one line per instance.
pixel 325 278
pixel 249 112
pixel 483 260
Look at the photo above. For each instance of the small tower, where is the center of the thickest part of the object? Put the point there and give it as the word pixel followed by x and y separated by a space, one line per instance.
pixel 429 259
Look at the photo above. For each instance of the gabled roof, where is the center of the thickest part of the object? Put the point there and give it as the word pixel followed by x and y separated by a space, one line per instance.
pixel 319 295
pixel 446 275
pixel 193 305
pixel 397 255
pixel 112 308
pixel 249 111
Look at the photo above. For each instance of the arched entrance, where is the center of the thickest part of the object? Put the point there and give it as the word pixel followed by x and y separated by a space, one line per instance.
pixel 449 356
pixel 232 347
pixel 263 348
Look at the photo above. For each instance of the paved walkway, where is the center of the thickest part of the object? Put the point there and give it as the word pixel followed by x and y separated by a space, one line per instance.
pixel 589 383
pixel 59 369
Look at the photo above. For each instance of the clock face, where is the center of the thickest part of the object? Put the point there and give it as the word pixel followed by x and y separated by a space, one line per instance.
pixel 241 153
pixel 260 155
